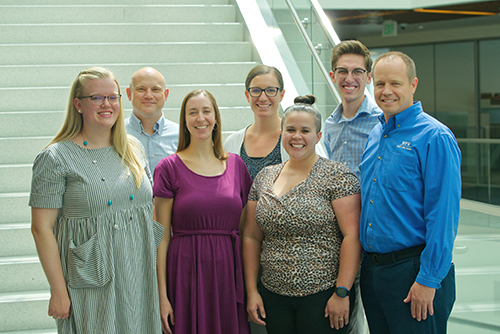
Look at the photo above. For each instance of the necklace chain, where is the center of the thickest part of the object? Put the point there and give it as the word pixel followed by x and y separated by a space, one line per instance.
pixel 103 179
pixel 85 143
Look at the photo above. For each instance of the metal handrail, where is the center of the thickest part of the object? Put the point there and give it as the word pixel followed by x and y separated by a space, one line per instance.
pixel 313 51
pixel 478 140
pixel 332 37
pixel 265 45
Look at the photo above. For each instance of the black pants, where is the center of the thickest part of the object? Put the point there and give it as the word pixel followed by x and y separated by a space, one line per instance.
pixel 383 289
pixel 299 315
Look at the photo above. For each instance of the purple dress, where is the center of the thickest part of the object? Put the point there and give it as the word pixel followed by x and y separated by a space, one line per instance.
pixel 204 270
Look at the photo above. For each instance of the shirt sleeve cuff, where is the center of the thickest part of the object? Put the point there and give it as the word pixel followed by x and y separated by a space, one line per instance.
pixel 430 282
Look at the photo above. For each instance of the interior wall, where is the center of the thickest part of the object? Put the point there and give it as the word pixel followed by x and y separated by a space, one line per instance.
pixel 456 92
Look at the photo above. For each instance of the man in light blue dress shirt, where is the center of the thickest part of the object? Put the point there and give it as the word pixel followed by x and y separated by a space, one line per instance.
pixel 159 136
pixel 348 127
pixel 410 193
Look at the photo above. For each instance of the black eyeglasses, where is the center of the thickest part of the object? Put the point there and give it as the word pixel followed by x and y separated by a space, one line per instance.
pixel 269 91
pixel 99 99
pixel 357 73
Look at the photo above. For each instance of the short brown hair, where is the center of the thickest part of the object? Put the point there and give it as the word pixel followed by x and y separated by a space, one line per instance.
pixel 351 47
pixel 411 69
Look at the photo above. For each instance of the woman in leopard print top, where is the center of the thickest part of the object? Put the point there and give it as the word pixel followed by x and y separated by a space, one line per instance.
pixel 303 224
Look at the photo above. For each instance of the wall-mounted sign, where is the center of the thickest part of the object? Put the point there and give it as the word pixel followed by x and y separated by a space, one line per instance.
pixel 389 28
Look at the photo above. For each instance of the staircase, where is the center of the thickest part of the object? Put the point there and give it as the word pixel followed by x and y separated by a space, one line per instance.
pixel 477 264
pixel 44 44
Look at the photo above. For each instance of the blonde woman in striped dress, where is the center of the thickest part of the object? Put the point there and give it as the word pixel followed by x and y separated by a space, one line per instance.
pixel 91 202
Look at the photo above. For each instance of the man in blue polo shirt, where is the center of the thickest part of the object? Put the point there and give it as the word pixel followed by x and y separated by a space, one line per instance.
pixel 159 136
pixel 411 189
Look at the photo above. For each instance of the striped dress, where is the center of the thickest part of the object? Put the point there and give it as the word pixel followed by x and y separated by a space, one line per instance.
pixel 106 236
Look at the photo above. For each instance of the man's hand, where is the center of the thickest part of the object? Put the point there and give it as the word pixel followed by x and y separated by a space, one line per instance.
pixel 421 298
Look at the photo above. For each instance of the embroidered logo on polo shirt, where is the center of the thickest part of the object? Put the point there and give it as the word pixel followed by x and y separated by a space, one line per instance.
pixel 405 145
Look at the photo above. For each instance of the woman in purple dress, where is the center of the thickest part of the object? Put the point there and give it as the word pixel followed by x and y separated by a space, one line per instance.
pixel 200 194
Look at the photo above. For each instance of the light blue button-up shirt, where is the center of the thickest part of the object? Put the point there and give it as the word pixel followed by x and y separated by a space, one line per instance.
pixel 411 189
pixel 162 143
pixel 345 139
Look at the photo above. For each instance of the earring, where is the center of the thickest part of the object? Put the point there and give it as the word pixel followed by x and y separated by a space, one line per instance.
pixel 79 111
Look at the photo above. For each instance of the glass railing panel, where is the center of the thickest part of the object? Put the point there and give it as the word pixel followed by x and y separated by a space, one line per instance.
pixel 480 169
pixel 315 81
pixel 477 306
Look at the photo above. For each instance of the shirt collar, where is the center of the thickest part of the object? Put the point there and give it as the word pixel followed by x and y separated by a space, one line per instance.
pixel 364 108
pixel 137 124
pixel 402 117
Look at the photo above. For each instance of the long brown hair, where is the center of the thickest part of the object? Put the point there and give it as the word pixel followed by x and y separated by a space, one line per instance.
pixel 185 136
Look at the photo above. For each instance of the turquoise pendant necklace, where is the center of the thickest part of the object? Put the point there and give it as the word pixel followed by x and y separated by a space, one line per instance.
pixel 103 179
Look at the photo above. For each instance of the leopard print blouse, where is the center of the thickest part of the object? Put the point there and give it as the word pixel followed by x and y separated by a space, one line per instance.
pixel 301 248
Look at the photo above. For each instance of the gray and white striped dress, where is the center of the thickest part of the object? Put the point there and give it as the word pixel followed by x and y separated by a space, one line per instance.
pixel 108 252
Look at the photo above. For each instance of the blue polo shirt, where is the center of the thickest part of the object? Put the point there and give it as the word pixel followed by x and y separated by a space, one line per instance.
pixel 411 190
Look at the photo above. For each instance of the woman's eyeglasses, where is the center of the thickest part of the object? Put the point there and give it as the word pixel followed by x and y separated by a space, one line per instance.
pixel 99 99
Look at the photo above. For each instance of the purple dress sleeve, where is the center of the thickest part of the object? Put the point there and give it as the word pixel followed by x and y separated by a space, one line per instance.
pixel 164 176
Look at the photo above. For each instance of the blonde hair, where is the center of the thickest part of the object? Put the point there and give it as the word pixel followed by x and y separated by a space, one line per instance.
pixel 185 136
pixel 411 70
pixel 126 147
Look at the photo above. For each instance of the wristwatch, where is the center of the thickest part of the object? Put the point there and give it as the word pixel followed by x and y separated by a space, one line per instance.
pixel 340 291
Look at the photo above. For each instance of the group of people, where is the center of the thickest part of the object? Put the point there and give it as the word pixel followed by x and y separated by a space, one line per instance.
pixel 168 230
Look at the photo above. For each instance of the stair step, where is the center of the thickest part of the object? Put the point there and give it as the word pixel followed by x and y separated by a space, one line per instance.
pixel 19 54
pixel 485 314
pixel 16 240
pixel 175 73
pixel 22 273
pixel 477 284
pixel 22 150
pixel 113 2
pixel 35 331
pixel 121 32
pixel 472 250
pixel 15 178
pixel 25 311
pixel 56 98
pixel 14 208
pixel 116 13
pixel 49 123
